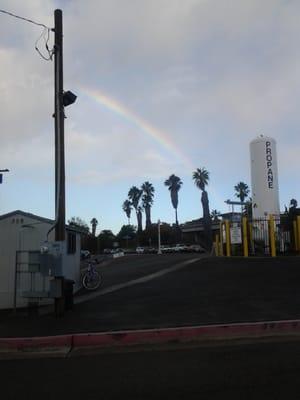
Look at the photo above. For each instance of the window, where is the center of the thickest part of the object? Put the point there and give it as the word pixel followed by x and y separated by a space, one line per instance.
pixel 71 243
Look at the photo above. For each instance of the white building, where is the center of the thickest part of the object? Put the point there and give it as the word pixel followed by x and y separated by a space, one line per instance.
pixel 23 232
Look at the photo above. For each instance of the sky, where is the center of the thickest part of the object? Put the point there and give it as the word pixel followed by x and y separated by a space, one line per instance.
pixel 164 87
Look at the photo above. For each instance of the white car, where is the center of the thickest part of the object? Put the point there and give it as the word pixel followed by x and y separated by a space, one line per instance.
pixel 140 250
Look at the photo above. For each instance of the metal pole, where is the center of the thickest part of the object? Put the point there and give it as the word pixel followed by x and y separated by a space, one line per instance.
pixel 228 244
pixel 272 236
pixel 159 247
pixel 59 129
pixel 245 236
pixel 59 116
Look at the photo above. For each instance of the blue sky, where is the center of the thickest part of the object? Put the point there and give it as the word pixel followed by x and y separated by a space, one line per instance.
pixel 208 75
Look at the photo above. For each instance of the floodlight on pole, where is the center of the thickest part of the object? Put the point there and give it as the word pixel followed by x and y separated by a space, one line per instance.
pixel 68 98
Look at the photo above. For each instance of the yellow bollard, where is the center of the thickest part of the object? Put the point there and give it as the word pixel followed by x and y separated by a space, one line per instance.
pixel 221 240
pixel 217 243
pixel 228 244
pixel 272 236
pixel 245 237
pixel 295 235
pixel 298 232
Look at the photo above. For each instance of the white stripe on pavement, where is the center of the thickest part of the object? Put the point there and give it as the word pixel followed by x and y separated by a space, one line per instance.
pixel 114 288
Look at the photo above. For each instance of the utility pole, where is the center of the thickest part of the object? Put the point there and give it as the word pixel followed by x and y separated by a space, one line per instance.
pixel 59 118
pixel 59 115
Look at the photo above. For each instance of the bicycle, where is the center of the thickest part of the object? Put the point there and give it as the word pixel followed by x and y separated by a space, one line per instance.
pixel 92 279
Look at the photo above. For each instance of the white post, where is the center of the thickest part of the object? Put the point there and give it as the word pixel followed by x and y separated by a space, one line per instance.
pixel 158 228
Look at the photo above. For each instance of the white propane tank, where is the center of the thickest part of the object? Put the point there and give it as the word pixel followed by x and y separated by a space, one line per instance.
pixel 264 177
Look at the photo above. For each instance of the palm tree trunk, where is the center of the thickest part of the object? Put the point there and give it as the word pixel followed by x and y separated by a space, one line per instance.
pixel 148 217
pixel 176 219
pixel 139 218
pixel 206 219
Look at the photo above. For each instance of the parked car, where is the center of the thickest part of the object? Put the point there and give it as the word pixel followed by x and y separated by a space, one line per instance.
pixel 150 250
pixel 84 254
pixel 107 251
pixel 181 248
pixel 116 251
pixel 196 248
pixel 166 248
pixel 140 250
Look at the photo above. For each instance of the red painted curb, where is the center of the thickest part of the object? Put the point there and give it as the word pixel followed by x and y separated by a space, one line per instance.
pixel 36 342
pixel 152 336
pixel 186 333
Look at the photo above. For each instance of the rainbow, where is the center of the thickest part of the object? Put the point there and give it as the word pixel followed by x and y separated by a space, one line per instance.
pixel 161 137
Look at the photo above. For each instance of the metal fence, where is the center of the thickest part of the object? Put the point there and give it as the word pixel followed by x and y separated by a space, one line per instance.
pixel 259 237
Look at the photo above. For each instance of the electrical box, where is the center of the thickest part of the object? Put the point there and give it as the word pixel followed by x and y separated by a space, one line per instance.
pixel 51 258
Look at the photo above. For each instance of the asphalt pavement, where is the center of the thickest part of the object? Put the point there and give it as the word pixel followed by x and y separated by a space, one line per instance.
pixel 235 370
pixel 206 291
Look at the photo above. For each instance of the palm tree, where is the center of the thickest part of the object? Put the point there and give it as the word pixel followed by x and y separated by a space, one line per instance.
pixel 134 196
pixel 94 224
pixel 293 203
pixel 215 214
pixel 148 194
pixel 241 191
pixel 174 184
pixel 201 178
pixel 127 209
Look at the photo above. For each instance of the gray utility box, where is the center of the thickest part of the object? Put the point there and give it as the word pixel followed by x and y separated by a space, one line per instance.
pixel 51 258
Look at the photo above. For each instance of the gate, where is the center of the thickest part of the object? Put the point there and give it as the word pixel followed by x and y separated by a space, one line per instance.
pixel 259 237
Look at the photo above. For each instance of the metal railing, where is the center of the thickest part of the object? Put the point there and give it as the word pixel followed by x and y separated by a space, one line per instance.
pixel 259 237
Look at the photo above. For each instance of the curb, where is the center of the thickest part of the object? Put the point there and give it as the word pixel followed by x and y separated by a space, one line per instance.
pixel 150 336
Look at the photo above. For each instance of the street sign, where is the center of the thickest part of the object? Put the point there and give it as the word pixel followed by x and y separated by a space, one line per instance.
pixel 235 234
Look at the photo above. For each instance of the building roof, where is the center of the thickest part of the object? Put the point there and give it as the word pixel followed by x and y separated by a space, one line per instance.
pixel 197 225
pixel 36 217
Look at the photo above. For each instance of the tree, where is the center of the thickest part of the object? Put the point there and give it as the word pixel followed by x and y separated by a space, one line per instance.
pixel 174 184
pixel 241 191
pixel 127 207
pixel 106 239
pixel 94 224
pixel 79 223
pixel 147 199
pixel 139 218
pixel 215 214
pixel 248 208
pixel 134 196
pixel 293 203
pixel 126 230
pixel 201 178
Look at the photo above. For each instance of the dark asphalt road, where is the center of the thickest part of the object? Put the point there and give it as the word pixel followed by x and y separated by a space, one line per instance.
pixel 207 292
pixel 260 370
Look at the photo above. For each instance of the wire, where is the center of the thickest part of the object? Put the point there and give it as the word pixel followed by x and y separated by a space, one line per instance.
pixel 24 19
pixel 43 34
pixel 46 40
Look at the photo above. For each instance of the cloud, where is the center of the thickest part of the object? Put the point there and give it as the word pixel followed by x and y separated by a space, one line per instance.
pixel 212 74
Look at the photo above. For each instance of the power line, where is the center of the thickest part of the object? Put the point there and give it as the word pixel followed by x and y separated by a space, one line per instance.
pixel 46 30
pixel 25 19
